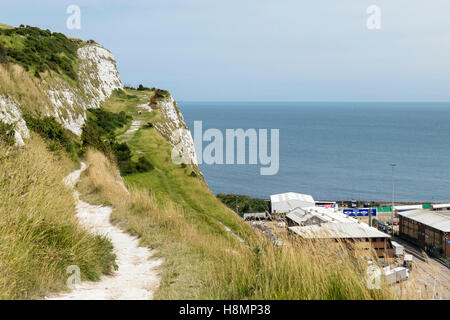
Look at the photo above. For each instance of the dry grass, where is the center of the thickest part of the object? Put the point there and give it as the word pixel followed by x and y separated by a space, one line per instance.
pixel 205 265
pixel 39 234
pixel 26 90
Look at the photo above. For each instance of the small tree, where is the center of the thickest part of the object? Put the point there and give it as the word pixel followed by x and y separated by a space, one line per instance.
pixel 7 133
pixel 3 55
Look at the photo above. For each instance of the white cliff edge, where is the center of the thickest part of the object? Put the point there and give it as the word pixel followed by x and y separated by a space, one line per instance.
pixel 175 129
pixel 10 114
pixel 98 78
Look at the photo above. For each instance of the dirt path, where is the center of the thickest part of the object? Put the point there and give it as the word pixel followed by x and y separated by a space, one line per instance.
pixel 135 126
pixel 136 277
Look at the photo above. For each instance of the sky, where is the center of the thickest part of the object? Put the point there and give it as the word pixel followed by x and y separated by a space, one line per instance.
pixel 264 50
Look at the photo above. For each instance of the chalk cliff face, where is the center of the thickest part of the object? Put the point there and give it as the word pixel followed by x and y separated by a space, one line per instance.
pixel 11 114
pixel 174 128
pixel 98 78
pixel 68 101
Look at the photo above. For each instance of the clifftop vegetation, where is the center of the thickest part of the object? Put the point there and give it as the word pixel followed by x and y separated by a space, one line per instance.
pixel 40 50
pixel 246 204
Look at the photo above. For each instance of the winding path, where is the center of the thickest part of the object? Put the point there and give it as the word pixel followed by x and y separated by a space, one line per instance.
pixel 135 126
pixel 136 277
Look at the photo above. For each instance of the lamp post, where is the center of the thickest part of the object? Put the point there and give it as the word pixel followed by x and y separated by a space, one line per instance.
pixel 393 165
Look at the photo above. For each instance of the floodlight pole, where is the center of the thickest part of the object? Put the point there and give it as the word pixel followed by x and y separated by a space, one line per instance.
pixel 392 213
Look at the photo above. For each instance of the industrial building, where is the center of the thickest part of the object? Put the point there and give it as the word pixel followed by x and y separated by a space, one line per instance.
pixel 285 202
pixel 427 229
pixel 328 223
pixel 316 215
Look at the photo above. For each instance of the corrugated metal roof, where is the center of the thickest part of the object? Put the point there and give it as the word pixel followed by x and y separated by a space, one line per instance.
pixel 338 230
pixel 291 196
pixel 436 219
pixel 300 215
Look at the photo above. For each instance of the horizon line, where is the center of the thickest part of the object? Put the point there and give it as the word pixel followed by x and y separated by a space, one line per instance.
pixel 314 101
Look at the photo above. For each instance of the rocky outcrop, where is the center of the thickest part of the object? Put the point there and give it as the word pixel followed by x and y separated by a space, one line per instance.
pixel 98 78
pixel 174 128
pixel 62 98
pixel 10 114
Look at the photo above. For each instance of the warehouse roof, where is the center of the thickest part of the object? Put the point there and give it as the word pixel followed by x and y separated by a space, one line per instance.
pixel 291 196
pixel 300 215
pixel 439 220
pixel 338 230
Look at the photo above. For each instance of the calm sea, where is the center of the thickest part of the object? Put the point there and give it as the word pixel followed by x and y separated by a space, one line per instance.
pixel 337 151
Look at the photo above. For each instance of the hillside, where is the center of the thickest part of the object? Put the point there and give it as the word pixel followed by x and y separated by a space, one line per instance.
pixel 64 102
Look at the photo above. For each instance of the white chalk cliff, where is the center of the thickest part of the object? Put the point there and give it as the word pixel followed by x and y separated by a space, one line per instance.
pixel 98 77
pixel 174 128
pixel 10 114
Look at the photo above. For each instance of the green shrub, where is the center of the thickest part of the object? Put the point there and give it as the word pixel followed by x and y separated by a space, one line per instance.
pixel 7 133
pixel 53 132
pixel 3 55
pixel 246 204
pixel 99 132
pixel 41 50
pixel 91 136
pixel 107 122
pixel 143 165
pixel 142 88
pixel 158 96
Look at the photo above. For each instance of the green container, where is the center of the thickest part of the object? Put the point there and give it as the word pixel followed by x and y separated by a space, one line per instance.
pixel 426 206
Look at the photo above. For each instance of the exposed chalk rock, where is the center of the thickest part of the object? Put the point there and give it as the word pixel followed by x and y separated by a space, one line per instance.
pixel 10 114
pixel 175 129
pixel 98 78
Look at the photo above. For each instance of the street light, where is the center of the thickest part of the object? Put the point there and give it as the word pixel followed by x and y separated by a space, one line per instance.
pixel 393 165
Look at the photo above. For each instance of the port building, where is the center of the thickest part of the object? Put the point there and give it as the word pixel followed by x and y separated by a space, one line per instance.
pixel 428 229
pixel 285 202
pixel 317 223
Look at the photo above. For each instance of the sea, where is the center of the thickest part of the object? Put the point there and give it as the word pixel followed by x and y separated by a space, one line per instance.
pixel 337 151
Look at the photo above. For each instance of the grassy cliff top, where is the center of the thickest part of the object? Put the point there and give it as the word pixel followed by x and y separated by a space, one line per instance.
pixel 5 26
pixel 40 50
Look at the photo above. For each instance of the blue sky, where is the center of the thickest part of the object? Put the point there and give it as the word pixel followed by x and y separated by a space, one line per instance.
pixel 264 50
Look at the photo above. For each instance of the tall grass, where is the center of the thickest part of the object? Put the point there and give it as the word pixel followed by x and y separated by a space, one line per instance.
pixel 203 264
pixel 39 233
pixel 27 91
